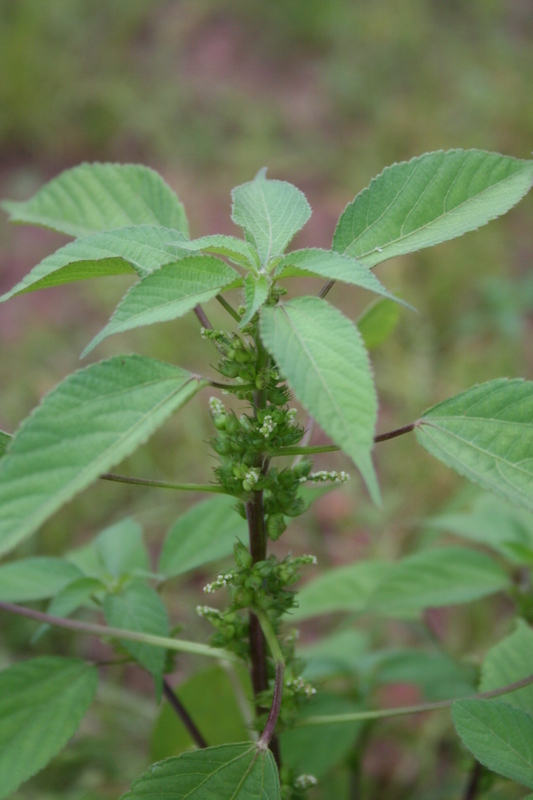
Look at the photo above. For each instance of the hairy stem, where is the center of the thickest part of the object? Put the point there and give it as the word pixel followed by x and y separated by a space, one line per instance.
pixel 186 487
pixel 184 715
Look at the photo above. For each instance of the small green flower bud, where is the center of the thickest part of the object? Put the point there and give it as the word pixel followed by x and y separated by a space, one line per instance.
pixel 276 525
pixel 243 559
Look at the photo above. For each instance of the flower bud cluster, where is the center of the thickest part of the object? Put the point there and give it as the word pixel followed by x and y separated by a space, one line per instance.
pixel 231 629
pixel 293 785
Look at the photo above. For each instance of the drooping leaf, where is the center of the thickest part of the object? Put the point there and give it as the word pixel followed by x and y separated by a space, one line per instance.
pixel 256 289
pixel 494 523
pixel 206 532
pixel 168 293
pixel 340 589
pixel 322 356
pixel 428 200
pixel 377 322
pixel 209 698
pixel 5 438
pixel 508 661
pixel 233 771
pixel 333 266
pixel 271 213
pixel 499 735
pixel 42 702
pixel 35 578
pixel 121 549
pixel 133 250
pixel 139 608
pixel 87 424
pixel 486 434
pixel 97 197
pixel 438 577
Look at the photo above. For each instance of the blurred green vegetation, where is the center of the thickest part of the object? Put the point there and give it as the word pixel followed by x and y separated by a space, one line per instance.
pixel 326 95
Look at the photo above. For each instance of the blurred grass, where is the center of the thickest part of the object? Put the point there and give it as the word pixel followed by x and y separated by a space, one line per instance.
pixel 326 95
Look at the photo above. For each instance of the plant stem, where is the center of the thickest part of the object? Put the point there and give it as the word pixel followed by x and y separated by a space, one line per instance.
pixel 325 289
pixel 183 714
pixel 396 712
pixel 180 645
pixel 384 437
pixel 473 782
pixel 200 313
pixel 279 661
pixel 331 448
pixel 224 303
pixel 186 487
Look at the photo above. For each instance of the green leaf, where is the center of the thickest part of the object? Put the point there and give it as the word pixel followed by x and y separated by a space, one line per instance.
pixel 315 750
pixel 98 197
pixel 495 524
pixel 42 702
pixel 508 661
pixel 331 265
pixel 322 356
pixel 122 550
pixel 499 735
pixel 5 438
pixel 271 213
pixel 345 588
pixel 75 595
pixel 35 578
pixel 90 422
pixel 438 676
pixel 139 608
pixel 438 577
pixel 210 689
pixel 206 532
pixel 133 250
pixel 377 322
pixel 256 288
pixel 236 250
pixel 336 655
pixel 167 293
pixel 229 772
pixel 428 200
pixel 486 434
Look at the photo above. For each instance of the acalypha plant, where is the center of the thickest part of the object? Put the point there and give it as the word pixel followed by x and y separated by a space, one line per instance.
pixel 306 707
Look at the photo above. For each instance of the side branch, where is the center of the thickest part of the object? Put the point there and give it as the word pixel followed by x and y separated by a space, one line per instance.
pixel 183 714
pixel 332 448
pixel 186 487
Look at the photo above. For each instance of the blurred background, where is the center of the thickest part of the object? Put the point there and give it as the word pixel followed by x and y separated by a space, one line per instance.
pixel 325 94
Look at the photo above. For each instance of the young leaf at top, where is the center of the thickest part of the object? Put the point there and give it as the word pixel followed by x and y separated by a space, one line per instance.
pixel 377 322
pixel 5 438
pixel 508 661
pixel 87 424
pixel 168 293
pixel 35 578
pixel 428 200
pixel 321 354
pixel 486 434
pixel 256 289
pixel 97 197
pixel 499 735
pixel 216 528
pixel 236 250
pixel 42 702
pixel 271 213
pixel 232 771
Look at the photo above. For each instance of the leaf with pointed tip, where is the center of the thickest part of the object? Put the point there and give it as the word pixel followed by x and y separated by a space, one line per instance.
pixel 35 578
pixel 42 702
pixel 121 549
pixel 256 288
pixel 346 588
pixel 486 434
pixel 5 438
pixel 334 266
pixel 499 735
pixel 321 354
pixel 139 608
pixel 428 200
pixel 206 532
pixel 237 250
pixel 377 322
pixel 167 293
pixel 230 771
pixel 509 661
pixel 97 197
pixel 90 422
pixel 133 250
pixel 271 213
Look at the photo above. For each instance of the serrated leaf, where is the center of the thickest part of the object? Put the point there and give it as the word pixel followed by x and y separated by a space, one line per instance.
pixel 121 549
pixel 441 576
pixel 334 266
pixel 508 661
pixel 271 213
pixel 132 250
pixel 206 532
pixel 486 434
pixel 87 424
pixel 321 354
pixel 340 589
pixel 256 288
pixel 139 608
pixel 42 702
pixel 499 735
pixel 97 197
pixel 168 293
pixel 236 250
pixel 35 578
pixel 428 200
pixel 377 322
pixel 5 438
pixel 231 771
